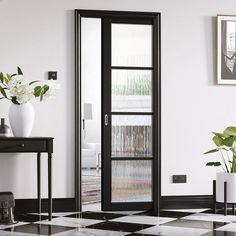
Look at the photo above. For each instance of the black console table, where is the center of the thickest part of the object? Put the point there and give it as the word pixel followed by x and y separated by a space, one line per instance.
pixel 33 145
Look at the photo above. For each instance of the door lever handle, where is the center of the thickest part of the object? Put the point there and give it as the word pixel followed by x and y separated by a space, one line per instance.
pixel 106 120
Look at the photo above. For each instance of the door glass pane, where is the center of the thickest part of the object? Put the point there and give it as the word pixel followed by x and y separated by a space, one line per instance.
pixel 131 181
pixel 131 136
pixel 131 45
pixel 131 90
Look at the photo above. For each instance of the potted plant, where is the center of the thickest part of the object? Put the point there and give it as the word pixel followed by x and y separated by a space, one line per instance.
pixel 19 91
pixel 226 148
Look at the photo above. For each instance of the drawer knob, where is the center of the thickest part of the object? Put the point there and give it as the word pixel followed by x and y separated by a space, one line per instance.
pixel 22 145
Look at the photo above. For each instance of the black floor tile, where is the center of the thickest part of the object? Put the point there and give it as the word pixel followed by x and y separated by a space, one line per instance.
pixel 119 226
pixel 195 224
pixel 174 214
pixel 219 233
pixel 39 229
pixel 171 214
pixel 136 234
pixel 96 215
pixel 30 218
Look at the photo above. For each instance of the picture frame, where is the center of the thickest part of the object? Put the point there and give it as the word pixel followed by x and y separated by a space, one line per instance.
pixel 226 49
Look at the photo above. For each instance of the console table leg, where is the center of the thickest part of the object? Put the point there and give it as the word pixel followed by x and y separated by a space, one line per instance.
pixel 214 196
pixel 225 198
pixel 39 181
pixel 50 186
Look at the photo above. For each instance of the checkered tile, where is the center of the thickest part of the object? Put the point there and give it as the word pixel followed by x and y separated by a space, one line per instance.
pixel 169 223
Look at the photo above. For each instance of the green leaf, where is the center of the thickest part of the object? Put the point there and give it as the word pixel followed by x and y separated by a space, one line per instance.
pixel 213 164
pixel 1 77
pixel 46 88
pixel 19 71
pixel 41 97
pixel 220 135
pixel 3 92
pixel 37 91
pixel 6 80
pixel 217 140
pixel 13 99
pixel 231 131
pixel 42 90
pixel 9 77
pixel 211 151
pixel 229 141
pixel 35 81
pixel 223 148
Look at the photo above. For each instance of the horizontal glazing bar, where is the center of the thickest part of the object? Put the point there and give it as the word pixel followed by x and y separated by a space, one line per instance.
pixel 133 113
pixel 131 68
pixel 131 158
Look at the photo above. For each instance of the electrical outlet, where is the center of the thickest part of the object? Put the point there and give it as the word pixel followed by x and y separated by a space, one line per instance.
pixel 52 75
pixel 179 178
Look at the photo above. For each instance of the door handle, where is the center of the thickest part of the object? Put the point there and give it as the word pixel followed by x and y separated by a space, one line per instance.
pixel 106 120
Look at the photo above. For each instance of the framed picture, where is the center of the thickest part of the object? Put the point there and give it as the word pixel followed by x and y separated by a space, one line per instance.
pixel 226 49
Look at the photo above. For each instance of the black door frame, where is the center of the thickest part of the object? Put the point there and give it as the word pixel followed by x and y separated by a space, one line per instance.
pixel 155 18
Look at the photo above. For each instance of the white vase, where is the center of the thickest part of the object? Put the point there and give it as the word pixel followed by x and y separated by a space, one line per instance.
pixel 21 119
pixel 230 178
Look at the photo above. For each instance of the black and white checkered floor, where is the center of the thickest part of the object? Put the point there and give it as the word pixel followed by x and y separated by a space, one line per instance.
pixel 170 223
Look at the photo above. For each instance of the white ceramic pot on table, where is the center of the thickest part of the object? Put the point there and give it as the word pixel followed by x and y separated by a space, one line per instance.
pixel 21 119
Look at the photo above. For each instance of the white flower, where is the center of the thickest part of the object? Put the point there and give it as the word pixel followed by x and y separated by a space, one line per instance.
pixel 51 92
pixel 19 87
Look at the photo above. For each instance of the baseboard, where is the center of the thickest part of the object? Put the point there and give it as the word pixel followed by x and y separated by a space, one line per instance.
pixel 31 205
pixel 186 202
pixel 68 204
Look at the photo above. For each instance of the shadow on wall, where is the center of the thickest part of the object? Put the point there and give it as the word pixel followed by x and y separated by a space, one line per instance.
pixel 211 50
pixel 69 72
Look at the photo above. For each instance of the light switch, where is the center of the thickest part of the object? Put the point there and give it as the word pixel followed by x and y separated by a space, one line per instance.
pixel 179 179
pixel 52 75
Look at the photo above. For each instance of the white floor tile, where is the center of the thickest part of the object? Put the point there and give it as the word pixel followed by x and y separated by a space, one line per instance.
pixel 150 220
pixel 57 214
pixel 210 217
pixel 229 227
pixel 91 232
pixel 188 210
pixel 70 222
pixel 14 225
pixel 5 233
pixel 174 231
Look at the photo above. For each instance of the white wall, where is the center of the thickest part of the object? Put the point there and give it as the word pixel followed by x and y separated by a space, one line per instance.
pixel 38 36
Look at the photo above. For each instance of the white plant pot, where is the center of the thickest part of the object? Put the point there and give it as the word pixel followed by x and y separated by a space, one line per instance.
pixel 21 119
pixel 230 178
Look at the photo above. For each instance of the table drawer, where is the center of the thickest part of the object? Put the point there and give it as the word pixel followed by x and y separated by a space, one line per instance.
pixel 23 146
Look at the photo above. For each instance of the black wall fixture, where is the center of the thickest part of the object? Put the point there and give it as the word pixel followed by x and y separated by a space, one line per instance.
pixel 52 75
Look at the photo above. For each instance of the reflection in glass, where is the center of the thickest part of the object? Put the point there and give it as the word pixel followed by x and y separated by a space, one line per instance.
pixel 131 90
pixel 228 67
pixel 131 136
pixel 131 45
pixel 131 181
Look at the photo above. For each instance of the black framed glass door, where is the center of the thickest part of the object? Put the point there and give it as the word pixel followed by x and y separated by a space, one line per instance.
pixel 130 113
